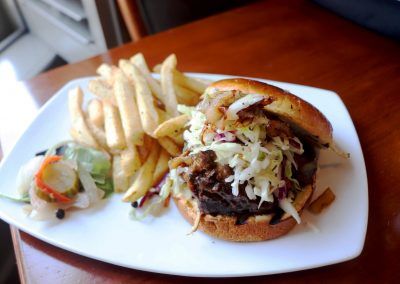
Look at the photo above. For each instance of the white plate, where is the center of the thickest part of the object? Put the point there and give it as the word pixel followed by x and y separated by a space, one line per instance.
pixel 162 245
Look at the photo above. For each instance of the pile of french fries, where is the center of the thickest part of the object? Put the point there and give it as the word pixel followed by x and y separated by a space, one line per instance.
pixel 134 117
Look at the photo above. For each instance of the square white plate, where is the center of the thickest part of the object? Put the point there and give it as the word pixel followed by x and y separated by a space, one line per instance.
pixel 162 245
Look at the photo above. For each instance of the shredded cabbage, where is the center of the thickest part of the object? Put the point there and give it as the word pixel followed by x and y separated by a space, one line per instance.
pixel 288 207
pixel 178 186
pixel 184 109
pixel 259 163
pixel 96 162
pixel 193 135
pixel 26 174
pixel 40 209
pixel 156 206
pixel 242 103
pixel 89 185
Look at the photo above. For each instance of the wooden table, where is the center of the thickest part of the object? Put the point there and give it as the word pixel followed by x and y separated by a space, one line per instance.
pixel 291 41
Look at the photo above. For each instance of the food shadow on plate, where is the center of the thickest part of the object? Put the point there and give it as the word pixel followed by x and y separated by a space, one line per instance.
pixel 330 166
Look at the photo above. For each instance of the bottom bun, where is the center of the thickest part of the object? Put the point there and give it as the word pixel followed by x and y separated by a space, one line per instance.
pixel 256 228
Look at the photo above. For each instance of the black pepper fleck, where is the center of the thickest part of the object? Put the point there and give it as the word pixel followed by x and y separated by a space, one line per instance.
pixel 60 213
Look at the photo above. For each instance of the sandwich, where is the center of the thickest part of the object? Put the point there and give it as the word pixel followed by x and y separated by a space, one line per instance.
pixel 249 163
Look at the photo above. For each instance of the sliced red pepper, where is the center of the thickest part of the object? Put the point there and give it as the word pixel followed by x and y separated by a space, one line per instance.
pixel 46 188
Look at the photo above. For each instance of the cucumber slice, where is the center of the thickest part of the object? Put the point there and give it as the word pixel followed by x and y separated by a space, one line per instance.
pixel 62 178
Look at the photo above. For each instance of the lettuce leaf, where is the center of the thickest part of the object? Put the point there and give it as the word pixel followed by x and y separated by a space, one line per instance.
pixel 95 162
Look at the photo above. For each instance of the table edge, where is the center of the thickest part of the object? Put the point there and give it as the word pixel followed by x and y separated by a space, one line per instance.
pixel 16 239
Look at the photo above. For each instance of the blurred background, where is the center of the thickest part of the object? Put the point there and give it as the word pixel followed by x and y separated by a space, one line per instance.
pixel 39 35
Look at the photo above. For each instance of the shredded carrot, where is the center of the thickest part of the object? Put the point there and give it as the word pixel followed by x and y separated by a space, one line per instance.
pixel 46 188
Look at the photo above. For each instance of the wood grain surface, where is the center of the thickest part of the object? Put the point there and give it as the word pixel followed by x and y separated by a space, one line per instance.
pixel 291 41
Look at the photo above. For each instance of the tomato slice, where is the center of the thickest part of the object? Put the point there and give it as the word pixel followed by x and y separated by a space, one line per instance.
pixel 46 188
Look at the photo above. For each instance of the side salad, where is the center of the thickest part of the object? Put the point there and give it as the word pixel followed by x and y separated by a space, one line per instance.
pixel 69 175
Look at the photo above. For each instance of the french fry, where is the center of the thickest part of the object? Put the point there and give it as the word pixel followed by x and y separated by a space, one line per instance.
pixel 144 98
pixel 80 131
pixel 157 68
pixel 124 95
pixel 130 161
pixel 171 126
pixel 145 149
pixel 177 161
pixel 75 135
pixel 167 85
pixel 95 112
pixel 113 127
pixel 322 201
pixel 98 133
pixel 161 167
pixel 102 89
pixel 186 96
pixel 143 181
pixel 139 61
pixel 104 70
pixel 120 180
pixel 143 153
pixel 178 139
pixel 170 146
pixel 162 115
pixel 189 82
pixel 195 84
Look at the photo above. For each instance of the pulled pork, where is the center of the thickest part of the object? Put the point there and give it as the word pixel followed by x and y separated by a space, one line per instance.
pixel 206 179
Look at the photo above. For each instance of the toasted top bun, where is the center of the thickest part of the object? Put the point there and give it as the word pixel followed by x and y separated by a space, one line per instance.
pixel 256 228
pixel 287 106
